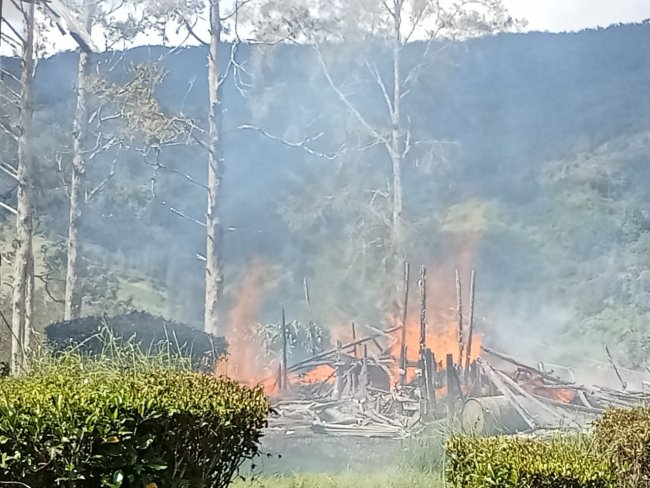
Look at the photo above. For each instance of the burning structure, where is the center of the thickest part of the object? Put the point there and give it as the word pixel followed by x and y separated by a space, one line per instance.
pixel 392 382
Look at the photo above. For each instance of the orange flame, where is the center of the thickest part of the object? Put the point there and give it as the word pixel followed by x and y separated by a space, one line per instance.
pixel 320 374
pixel 441 314
pixel 247 361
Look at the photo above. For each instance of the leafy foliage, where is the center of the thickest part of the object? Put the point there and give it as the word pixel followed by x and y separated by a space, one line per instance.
pixel 525 463
pixel 132 421
pixel 88 335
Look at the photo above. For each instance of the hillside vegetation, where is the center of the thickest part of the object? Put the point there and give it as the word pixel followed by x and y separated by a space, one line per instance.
pixel 538 182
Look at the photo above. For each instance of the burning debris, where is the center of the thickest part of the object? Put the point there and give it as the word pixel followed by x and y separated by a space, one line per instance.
pixel 393 382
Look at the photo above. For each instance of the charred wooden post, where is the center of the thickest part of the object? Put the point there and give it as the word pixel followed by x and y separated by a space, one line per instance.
pixel 338 384
pixel 450 385
pixel 278 378
pixel 470 324
pixel 459 317
pixel 429 381
pixel 354 338
pixel 611 361
pixel 423 309
pixel 365 378
pixel 312 334
pixel 402 356
pixel 285 374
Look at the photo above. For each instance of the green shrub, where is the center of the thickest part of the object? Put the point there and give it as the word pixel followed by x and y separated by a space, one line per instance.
pixel 79 423
pixel 623 437
pixel 504 462
pixel 148 331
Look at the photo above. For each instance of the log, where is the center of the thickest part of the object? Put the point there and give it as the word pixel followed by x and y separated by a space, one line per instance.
pixel 354 338
pixel 490 416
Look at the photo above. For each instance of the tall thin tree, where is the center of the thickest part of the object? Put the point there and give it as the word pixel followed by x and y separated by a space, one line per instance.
pixel 73 296
pixel 22 301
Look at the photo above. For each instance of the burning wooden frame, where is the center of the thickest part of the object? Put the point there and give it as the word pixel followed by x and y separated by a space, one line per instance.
pixel 371 386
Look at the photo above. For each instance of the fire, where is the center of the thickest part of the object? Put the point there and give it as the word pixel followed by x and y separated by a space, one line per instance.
pixel 537 386
pixel 320 374
pixel 247 361
pixel 441 322
pixel 463 227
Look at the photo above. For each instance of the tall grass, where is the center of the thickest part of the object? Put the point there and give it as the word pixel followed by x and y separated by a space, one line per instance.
pixel 387 479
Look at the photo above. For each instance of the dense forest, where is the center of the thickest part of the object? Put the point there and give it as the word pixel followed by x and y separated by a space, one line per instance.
pixel 528 162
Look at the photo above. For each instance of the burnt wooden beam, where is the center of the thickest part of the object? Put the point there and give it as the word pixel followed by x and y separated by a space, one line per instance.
pixel 285 374
pixel 504 357
pixel 451 403
pixel 402 356
pixel 470 322
pixel 344 347
pixel 459 318
pixel 423 309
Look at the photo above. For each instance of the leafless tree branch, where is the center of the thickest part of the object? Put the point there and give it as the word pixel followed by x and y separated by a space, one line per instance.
pixel 304 144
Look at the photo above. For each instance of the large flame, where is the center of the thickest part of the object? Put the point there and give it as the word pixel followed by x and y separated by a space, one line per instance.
pixel 442 331
pixel 247 360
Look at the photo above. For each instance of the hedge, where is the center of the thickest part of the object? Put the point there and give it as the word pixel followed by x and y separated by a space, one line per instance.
pixel 508 462
pixel 75 423
pixel 147 330
pixel 623 438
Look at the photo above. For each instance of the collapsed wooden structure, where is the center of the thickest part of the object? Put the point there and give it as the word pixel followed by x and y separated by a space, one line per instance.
pixel 365 389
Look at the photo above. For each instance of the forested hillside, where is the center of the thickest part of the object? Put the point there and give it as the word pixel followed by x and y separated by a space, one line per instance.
pixel 529 161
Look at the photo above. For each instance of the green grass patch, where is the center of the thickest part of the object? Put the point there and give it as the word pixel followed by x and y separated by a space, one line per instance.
pixel 388 479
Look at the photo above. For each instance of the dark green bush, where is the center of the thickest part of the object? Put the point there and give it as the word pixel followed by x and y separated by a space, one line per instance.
pixel 79 423
pixel 146 330
pixel 507 462
pixel 623 437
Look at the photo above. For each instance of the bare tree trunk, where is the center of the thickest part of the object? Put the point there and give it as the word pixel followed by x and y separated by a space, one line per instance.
pixel 73 296
pixel 396 136
pixel 23 270
pixel 397 251
pixel 214 229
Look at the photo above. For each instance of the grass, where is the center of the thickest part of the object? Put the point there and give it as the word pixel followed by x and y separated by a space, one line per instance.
pixel 388 479
pixel 420 465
